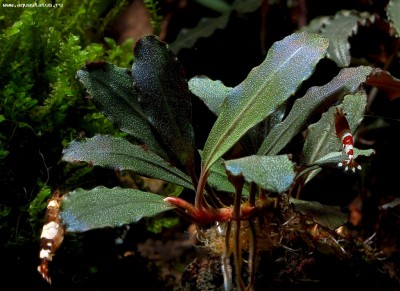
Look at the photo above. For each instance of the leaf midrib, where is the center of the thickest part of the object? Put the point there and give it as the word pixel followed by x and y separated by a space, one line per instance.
pixel 143 159
pixel 246 108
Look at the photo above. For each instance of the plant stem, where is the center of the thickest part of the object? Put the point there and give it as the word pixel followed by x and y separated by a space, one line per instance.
pixel 216 202
pixel 193 176
pixel 252 194
pixel 237 256
pixel 252 255
pixel 226 267
pixel 237 251
pixel 199 199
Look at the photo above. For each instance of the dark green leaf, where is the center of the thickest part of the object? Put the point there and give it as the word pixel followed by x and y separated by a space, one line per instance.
pixel 273 173
pixel 336 157
pixel 218 179
pixel 316 24
pixel 339 29
pixel 207 26
pixel 393 13
pixel 385 82
pixel 287 64
pixel 212 93
pixel 259 132
pixel 119 154
pixel 346 82
pixel 165 97
pixel 83 210
pixel 321 138
pixel 326 215
pixel 115 96
pixel 246 6
pixel 216 5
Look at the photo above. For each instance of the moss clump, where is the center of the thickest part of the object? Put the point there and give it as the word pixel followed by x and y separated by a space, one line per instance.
pixel 41 50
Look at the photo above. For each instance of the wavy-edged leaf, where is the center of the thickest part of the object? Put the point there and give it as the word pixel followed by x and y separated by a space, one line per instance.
pixel 187 37
pixel 246 6
pixel 328 216
pixel 344 24
pixel 346 82
pixel 258 133
pixel 218 179
pixel 165 97
pixel 119 154
pixel 385 82
pixel 273 173
pixel 216 5
pixel 212 93
pixel 336 157
pixel 321 138
pixel 83 210
pixel 316 24
pixel 393 13
pixel 288 63
pixel 207 26
pixel 115 96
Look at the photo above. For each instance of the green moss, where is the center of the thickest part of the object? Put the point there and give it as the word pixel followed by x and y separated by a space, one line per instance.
pixel 153 8
pixel 41 50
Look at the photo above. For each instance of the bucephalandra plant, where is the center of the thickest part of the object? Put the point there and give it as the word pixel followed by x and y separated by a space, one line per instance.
pixel 152 104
